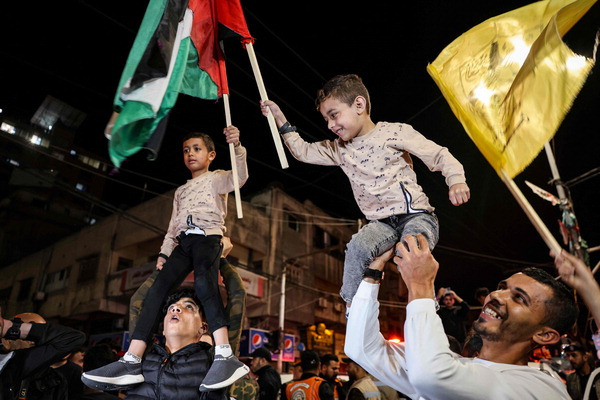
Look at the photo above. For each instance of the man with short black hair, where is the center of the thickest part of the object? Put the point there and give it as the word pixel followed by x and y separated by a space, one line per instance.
pixel 363 387
pixel 528 310
pixel 309 386
pixel 269 381
pixel 330 367
pixel 578 379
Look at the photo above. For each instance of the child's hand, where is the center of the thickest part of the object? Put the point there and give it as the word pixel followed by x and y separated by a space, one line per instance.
pixel 227 246
pixel 232 135
pixel 459 194
pixel 268 105
pixel 160 261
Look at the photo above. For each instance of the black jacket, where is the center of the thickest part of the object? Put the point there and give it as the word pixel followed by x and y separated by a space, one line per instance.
pixel 269 383
pixel 52 342
pixel 175 376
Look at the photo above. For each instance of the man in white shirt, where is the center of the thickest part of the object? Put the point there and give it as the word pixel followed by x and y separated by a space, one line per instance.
pixel 528 310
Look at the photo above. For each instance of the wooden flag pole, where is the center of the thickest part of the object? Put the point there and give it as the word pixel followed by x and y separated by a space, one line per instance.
pixel 263 96
pixel 234 171
pixel 531 214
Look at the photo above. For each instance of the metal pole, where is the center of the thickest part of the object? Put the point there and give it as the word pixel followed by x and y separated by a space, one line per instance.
pixel 281 319
pixel 552 161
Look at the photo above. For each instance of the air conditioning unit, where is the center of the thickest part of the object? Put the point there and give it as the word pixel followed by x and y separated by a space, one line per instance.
pixel 339 307
pixel 322 302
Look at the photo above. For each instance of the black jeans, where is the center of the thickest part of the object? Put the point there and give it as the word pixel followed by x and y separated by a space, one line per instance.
pixel 195 252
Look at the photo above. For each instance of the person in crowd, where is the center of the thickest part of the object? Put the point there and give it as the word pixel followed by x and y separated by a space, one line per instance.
pixel 453 313
pixel 575 273
pixel 245 388
pixel 480 294
pixel 192 243
pixel 472 345
pixel 330 367
pixel 578 379
pixel 309 386
pixel 95 357
pixel 528 309
pixel 362 387
pixel 269 380
pixel 76 357
pixel 376 158
pixel 28 347
pixel 176 370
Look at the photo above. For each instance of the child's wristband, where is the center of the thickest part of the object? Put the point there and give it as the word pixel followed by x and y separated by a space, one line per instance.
pixel 286 128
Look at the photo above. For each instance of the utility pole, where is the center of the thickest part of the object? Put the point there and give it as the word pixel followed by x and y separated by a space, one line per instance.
pixel 281 319
pixel 282 298
pixel 577 245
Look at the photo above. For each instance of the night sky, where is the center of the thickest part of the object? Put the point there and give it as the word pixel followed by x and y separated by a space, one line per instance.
pixel 76 50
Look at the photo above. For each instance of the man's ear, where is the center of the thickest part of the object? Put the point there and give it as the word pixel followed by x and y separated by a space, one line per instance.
pixel 212 155
pixel 546 336
pixel 361 104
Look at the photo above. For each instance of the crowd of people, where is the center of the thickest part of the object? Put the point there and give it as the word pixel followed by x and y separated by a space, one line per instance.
pixel 441 356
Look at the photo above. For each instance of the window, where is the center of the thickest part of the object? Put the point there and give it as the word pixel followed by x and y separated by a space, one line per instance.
pixel 124 263
pixel 57 280
pixel 24 289
pixel 5 294
pixel 8 128
pixel 293 222
pixel 87 268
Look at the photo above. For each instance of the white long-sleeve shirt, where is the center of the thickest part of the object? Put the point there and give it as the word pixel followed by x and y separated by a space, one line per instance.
pixel 424 368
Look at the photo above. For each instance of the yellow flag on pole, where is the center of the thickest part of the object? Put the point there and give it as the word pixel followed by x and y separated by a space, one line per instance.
pixel 511 80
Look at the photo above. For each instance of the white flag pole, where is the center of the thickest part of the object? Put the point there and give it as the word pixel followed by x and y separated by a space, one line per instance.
pixel 263 96
pixel 531 214
pixel 234 171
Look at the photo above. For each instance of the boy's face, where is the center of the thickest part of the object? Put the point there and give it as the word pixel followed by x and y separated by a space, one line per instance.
pixel 344 120
pixel 184 320
pixel 196 156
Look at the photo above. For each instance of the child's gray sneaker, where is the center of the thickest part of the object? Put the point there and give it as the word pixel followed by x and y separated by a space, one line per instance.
pixel 223 372
pixel 118 375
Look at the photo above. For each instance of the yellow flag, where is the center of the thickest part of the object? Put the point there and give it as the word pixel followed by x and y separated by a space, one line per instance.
pixel 511 80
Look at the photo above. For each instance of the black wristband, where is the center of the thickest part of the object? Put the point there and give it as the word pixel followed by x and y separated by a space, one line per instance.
pixel 373 273
pixel 14 332
pixel 286 128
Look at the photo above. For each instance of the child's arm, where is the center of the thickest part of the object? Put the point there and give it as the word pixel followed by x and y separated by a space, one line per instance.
pixel 319 153
pixel 170 241
pixel 437 158
pixel 232 135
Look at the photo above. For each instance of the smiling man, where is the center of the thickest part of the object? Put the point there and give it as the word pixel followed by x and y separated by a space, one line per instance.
pixel 528 310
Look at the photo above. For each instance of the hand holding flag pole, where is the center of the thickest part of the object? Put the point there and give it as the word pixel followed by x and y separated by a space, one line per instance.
pixel 263 97
pixel 234 171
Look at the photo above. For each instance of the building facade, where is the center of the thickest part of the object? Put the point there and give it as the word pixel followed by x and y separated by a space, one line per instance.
pixel 86 280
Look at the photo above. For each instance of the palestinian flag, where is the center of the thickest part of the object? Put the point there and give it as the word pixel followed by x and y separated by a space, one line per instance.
pixel 177 50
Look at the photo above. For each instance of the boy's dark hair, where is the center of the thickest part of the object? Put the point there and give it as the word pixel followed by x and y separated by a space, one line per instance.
pixel 344 88
pixel 98 356
pixel 181 293
pixel 208 142
pixel 472 346
pixel 327 358
pixel 561 308
pixel 482 291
